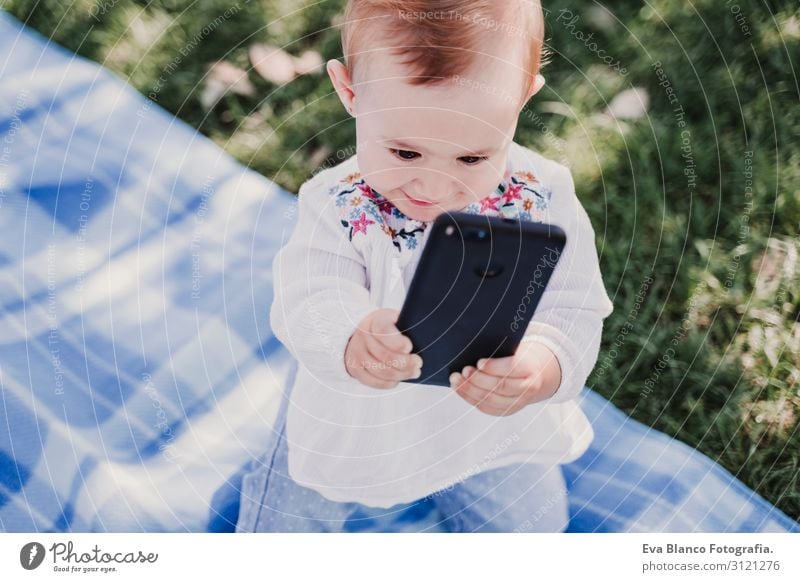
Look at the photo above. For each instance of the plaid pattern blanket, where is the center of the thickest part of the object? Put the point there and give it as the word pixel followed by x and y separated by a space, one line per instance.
pixel 138 372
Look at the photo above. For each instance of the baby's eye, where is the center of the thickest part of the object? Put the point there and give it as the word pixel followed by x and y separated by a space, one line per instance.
pixel 404 154
pixel 473 160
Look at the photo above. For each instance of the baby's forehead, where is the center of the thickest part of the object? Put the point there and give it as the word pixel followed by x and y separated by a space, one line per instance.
pixel 493 80
pixel 457 113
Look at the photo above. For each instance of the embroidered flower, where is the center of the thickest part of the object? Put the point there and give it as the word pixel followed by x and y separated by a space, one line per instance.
pixel 489 203
pixel 384 205
pixel 409 234
pixel 373 210
pixel 527 204
pixel 350 178
pixel 513 192
pixel 355 201
pixel 528 177
pixel 361 224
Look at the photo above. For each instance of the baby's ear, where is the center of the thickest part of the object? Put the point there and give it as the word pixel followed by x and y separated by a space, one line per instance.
pixel 342 83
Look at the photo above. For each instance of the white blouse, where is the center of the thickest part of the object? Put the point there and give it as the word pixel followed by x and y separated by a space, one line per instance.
pixel 352 442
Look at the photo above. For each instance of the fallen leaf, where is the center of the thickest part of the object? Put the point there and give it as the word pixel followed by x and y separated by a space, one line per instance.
pixel 310 62
pixel 273 63
pixel 223 78
pixel 629 104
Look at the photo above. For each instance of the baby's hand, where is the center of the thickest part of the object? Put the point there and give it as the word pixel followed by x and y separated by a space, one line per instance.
pixel 503 386
pixel 378 355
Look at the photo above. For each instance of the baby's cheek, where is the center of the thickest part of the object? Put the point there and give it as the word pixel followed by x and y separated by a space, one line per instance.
pixel 482 183
pixel 380 175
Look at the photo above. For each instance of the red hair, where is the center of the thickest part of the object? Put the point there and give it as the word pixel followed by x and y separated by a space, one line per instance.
pixel 439 39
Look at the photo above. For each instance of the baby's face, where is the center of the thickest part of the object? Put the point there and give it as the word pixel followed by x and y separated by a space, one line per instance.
pixel 435 148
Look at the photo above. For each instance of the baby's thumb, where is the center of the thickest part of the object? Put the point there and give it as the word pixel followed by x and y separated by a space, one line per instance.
pixel 392 314
pixel 384 319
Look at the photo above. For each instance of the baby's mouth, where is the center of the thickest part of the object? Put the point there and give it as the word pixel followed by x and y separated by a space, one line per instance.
pixel 416 202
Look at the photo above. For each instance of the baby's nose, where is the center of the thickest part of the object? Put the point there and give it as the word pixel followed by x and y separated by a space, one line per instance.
pixel 435 189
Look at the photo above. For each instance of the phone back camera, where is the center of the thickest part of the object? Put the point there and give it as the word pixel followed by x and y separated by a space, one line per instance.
pixel 478 234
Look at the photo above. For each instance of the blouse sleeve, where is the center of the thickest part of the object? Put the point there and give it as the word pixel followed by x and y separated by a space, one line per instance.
pixel 569 317
pixel 320 287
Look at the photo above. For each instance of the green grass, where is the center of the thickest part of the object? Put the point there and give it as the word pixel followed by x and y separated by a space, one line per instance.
pixel 726 299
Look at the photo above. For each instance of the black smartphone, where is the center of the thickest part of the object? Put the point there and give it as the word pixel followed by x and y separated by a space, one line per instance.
pixel 475 289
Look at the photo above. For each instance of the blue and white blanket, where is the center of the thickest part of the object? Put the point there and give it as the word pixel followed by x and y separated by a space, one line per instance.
pixel 138 372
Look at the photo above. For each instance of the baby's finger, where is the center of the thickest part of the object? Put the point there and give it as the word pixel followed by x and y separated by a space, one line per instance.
pixel 392 358
pixel 491 401
pixel 506 391
pixel 391 373
pixel 395 341
pixel 481 379
pixel 387 333
pixel 392 366
pixel 483 401
pixel 511 387
pixel 370 372
pixel 466 390
pixel 378 351
pixel 506 367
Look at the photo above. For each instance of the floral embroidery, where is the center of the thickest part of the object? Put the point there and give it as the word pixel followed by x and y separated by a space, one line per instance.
pixel 522 196
pixel 350 178
pixel 383 204
pixel 519 196
pixel 489 203
pixel 512 193
pixel 361 224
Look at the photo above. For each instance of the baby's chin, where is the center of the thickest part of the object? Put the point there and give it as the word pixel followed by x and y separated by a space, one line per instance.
pixel 428 214
pixel 425 214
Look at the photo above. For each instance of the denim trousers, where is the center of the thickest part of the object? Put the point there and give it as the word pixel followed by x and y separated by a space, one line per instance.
pixel 522 497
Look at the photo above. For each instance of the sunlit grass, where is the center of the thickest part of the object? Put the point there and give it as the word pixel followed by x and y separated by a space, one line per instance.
pixel 711 354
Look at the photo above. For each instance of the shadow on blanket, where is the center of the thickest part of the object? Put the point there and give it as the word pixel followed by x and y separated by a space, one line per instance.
pixel 138 373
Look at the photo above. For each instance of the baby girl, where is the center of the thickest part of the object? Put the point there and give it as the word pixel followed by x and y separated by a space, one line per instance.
pixel 436 94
